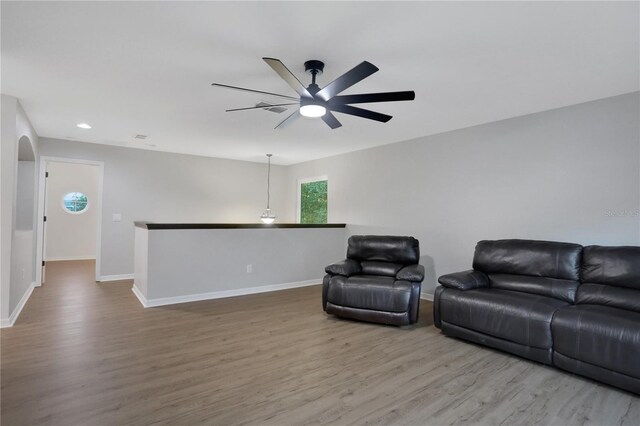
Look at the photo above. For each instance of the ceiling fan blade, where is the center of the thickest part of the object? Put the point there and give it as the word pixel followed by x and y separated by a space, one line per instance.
pixel 254 91
pixel 260 107
pixel 346 80
pixel 374 97
pixel 287 76
pixel 331 120
pixel 284 123
pixel 359 112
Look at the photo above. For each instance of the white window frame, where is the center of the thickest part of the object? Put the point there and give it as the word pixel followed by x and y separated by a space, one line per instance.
pixel 64 207
pixel 299 193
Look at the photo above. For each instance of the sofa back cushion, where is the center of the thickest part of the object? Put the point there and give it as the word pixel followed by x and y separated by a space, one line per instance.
pixel 611 277
pixel 402 250
pixel 549 287
pixel 527 257
pixel 616 266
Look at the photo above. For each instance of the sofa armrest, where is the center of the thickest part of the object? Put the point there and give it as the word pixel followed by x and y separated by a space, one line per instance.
pixel 345 267
pixel 413 273
pixel 465 280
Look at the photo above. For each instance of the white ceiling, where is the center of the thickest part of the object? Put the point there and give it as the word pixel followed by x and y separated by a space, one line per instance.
pixel 132 68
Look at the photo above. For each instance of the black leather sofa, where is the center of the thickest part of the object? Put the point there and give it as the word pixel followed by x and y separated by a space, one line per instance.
pixel 379 281
pixel 574 307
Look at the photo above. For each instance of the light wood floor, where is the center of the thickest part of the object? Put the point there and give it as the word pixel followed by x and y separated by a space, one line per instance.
pixel 88 354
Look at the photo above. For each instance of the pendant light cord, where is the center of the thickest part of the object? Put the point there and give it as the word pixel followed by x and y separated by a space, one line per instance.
pixel 268 179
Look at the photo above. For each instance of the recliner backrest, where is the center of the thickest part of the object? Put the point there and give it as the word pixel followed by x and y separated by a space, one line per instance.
pixel 610 277
pixel 382 248
pixel 374 267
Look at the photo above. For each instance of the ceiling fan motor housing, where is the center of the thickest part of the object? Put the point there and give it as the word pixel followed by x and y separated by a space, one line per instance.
pixel 314 67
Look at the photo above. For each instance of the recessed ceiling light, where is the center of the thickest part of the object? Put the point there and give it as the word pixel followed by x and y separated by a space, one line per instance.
pixel 83 125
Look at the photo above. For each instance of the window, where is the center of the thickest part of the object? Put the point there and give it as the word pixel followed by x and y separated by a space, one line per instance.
pixel 312 200
pixel 75 202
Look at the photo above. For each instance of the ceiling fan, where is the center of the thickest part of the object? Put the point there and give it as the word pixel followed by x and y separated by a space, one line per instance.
pixel 317 102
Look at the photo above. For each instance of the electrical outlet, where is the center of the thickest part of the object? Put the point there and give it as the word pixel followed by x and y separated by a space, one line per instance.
pixel 117 217
pixel 249 269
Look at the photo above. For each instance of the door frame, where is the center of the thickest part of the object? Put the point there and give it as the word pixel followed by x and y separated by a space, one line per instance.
pixel 44 161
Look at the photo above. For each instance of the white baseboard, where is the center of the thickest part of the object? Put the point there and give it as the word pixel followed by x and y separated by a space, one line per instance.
pixel 139 295
pixel 150 303
pixel 63 258
pixel 427 296
pixel 121 277
pixel 8 322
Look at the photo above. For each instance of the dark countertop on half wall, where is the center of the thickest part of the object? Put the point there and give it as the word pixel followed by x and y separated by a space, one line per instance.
pixel 152 226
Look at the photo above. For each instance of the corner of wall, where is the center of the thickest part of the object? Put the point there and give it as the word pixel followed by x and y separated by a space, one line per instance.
pixel 14 124
pixel 11 320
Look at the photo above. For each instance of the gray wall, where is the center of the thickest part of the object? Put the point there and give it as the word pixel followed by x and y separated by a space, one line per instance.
pixel 196 261
pixel 161 187
pixel 8 154
pixel 571 174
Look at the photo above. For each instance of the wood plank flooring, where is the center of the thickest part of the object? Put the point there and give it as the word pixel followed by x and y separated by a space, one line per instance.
pixel 88 354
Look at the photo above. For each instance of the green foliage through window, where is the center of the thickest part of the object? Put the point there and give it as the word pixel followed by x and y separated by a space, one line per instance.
pixel 313 202
pixel 75 202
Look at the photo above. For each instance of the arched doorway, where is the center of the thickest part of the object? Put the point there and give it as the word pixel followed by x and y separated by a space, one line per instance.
pixel 23 268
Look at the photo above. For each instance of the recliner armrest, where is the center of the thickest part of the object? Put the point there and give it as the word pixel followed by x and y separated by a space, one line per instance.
pixel 345 267
pixel 413 273
pixel 465 280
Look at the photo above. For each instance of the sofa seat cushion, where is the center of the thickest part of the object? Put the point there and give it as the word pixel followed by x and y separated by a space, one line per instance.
pixel 599 335
pixel 370 292
pixel 518 317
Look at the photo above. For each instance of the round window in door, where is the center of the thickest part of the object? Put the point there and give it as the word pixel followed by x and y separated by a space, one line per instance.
pixel 75 202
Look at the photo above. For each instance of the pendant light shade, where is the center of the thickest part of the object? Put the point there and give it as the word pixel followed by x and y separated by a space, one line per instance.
pixel 267 217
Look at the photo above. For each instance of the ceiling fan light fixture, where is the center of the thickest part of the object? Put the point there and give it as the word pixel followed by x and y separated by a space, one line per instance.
pixel 312 110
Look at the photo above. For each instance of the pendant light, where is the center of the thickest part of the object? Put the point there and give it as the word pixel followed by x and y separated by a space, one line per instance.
pixel 267 217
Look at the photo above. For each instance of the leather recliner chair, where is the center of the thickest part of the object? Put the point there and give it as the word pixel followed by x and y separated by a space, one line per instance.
pixel 380 281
